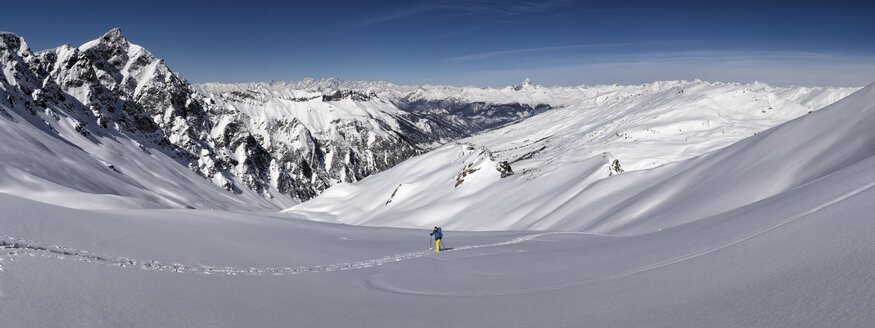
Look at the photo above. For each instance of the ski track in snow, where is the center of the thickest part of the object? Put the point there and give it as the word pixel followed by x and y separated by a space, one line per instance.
pixel 11 247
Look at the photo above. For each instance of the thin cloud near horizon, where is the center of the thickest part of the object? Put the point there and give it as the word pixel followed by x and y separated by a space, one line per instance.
pixel 474 7
pixel 780 68
pixel 499 53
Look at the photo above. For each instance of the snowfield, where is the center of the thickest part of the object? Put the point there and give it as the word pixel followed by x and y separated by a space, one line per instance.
pixel 800 257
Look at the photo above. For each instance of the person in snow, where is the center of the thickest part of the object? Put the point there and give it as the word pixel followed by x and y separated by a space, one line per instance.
pixel 438 234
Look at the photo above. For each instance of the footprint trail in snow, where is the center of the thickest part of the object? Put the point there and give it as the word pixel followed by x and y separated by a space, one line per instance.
pixel 11 247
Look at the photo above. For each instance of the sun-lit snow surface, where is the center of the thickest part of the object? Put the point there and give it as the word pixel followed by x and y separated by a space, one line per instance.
pixel 563 160
pixel 801 258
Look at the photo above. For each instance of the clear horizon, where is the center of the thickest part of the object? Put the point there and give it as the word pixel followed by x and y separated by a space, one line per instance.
pixel 479 42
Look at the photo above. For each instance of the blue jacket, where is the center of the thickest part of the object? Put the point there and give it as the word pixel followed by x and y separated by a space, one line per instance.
pixel 438 234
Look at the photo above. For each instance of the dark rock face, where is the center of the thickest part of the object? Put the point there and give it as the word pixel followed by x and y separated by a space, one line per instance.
pixel 112 88
pixel 350 94
pixel 615 168
pixel 504 168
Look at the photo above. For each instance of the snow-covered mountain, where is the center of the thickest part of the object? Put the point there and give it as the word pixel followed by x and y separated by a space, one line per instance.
pixel 104 125
pixel 623 120
pixel 284 145
pixel 116 107
pixel 562 169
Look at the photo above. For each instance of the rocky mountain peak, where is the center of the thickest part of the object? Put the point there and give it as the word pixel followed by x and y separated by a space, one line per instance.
pixel 10 41
pixel 114 37
pixel 526 84
pixel 111 47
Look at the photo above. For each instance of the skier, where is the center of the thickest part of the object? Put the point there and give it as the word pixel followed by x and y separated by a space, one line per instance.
pixel 438 234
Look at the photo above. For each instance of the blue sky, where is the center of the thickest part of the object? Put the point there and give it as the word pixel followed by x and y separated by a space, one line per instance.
pixel 478 42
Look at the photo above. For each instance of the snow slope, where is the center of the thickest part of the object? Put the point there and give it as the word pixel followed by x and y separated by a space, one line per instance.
pixel 565 180
pixel 800 259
